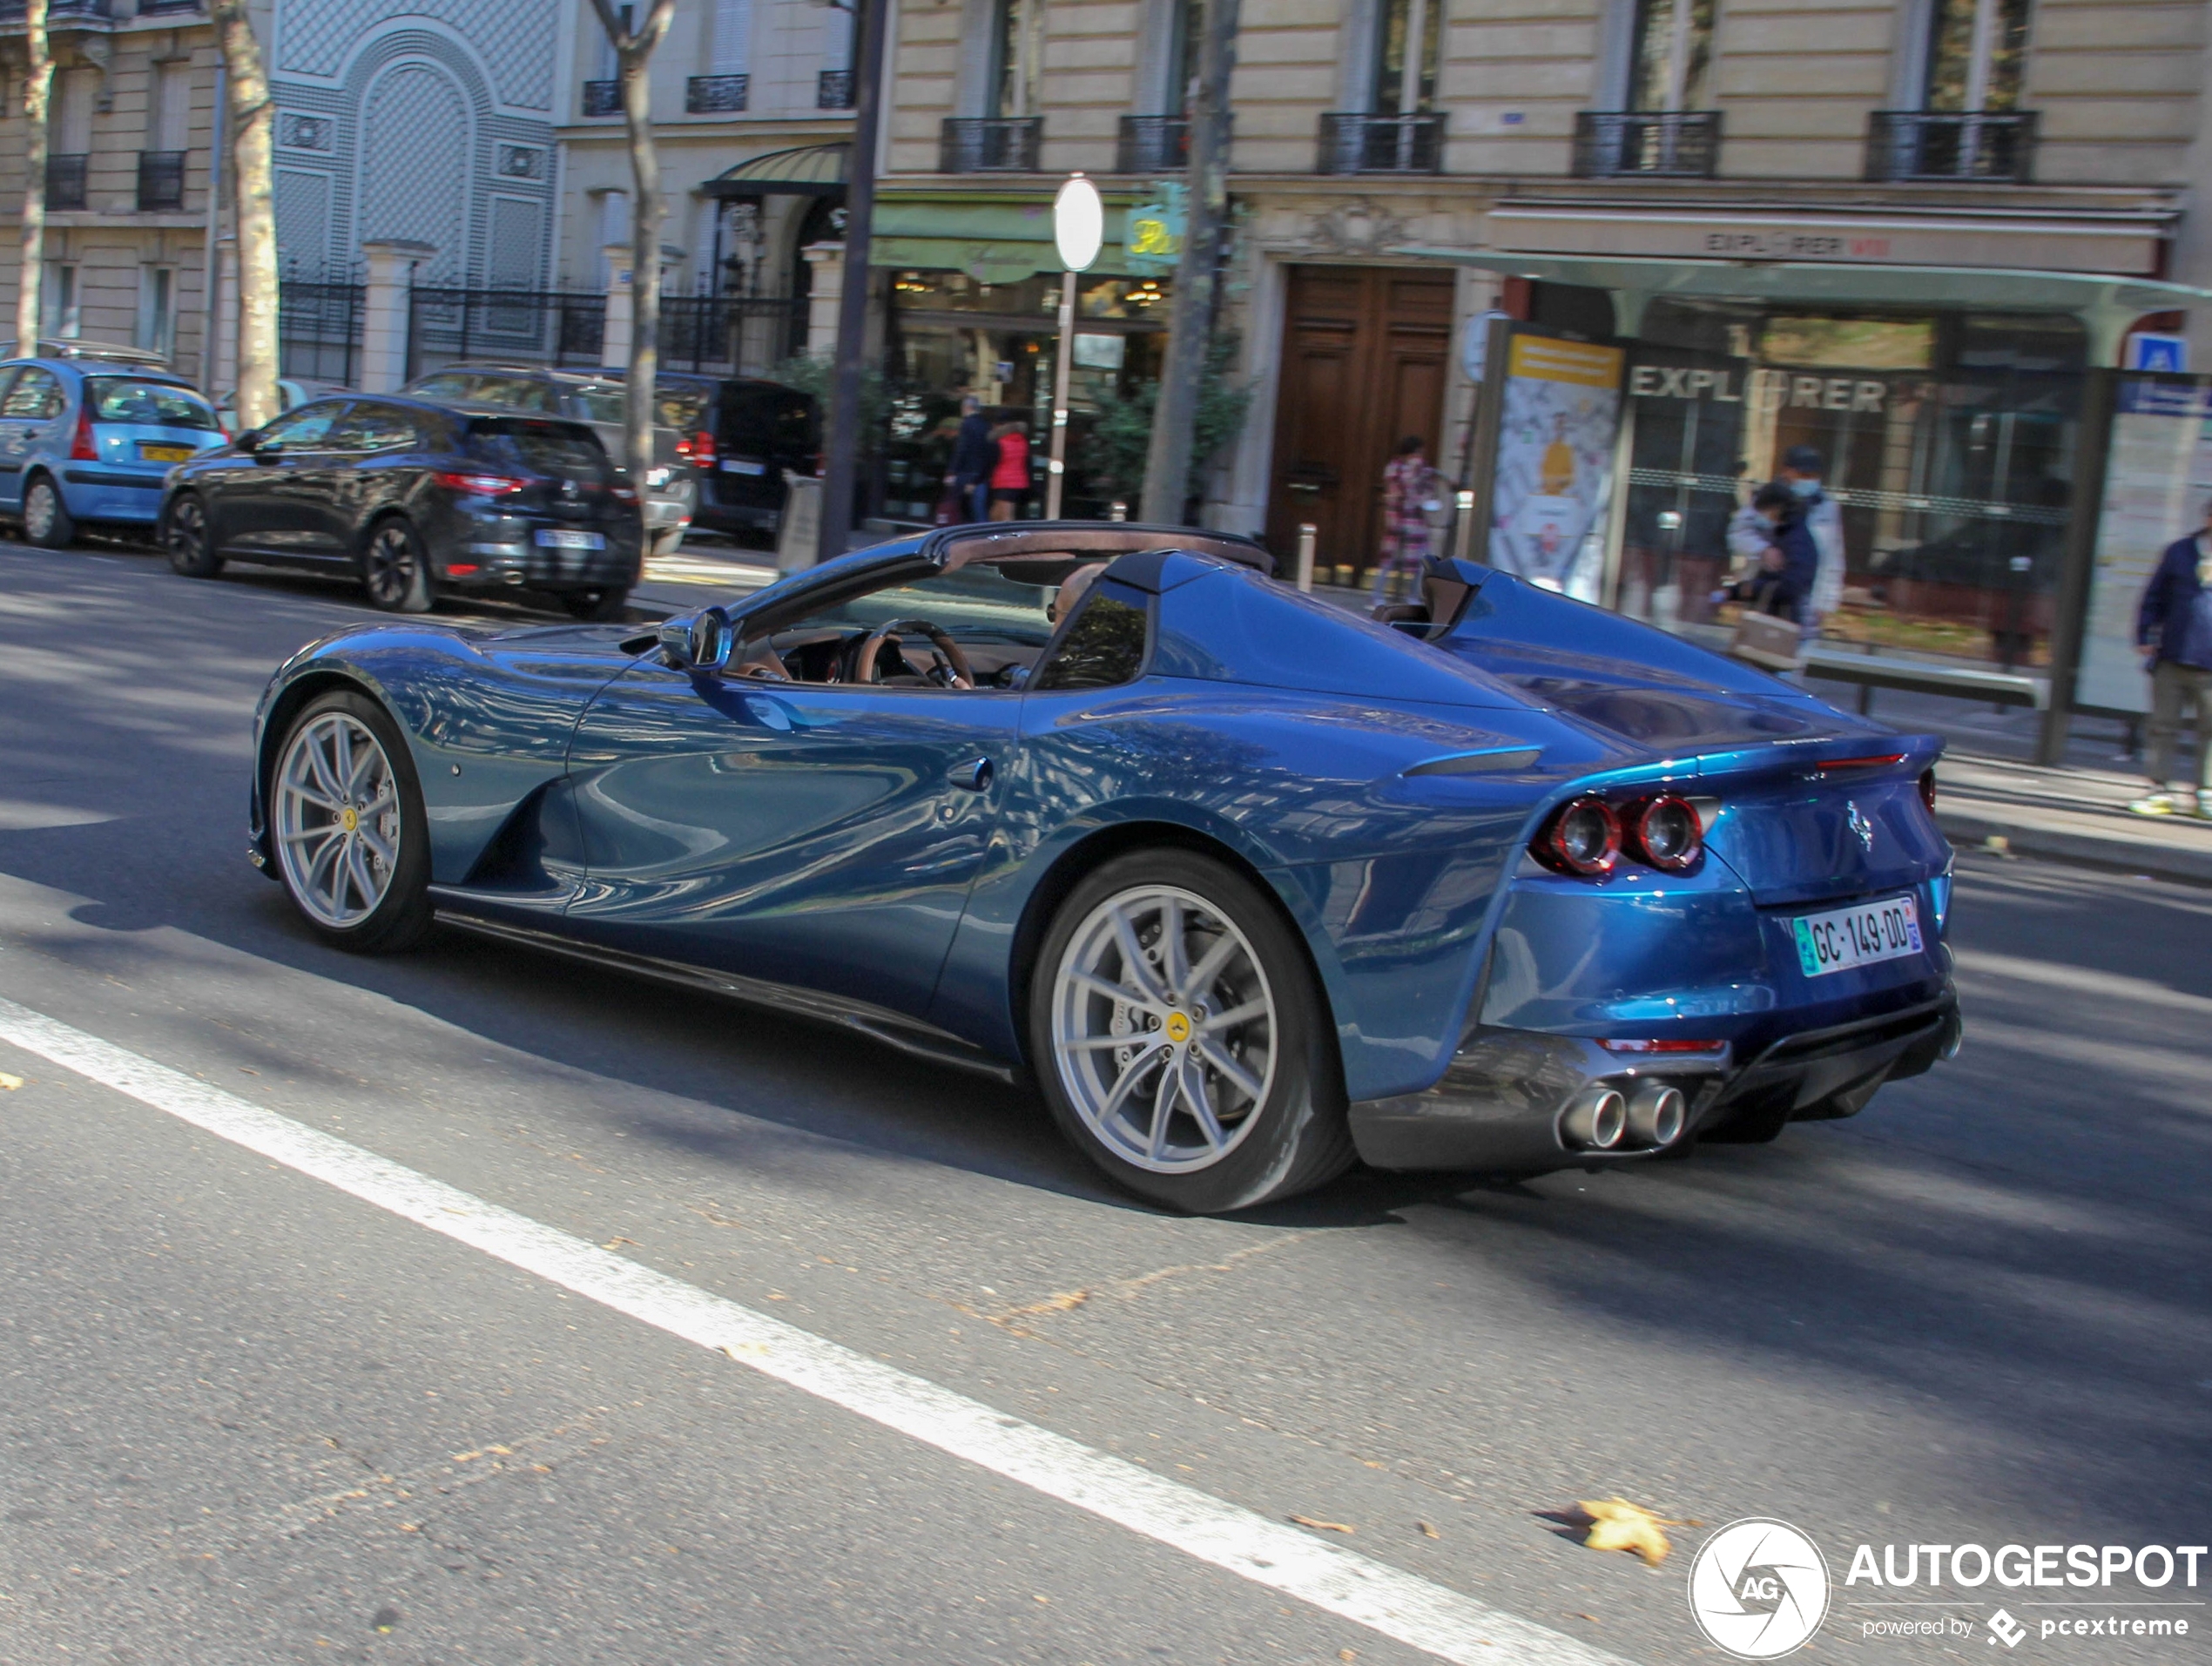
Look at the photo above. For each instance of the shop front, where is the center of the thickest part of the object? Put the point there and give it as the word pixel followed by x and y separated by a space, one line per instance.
pixel 971 300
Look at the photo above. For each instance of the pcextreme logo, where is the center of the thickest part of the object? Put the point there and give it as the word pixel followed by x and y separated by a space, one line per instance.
pixel 1759 1588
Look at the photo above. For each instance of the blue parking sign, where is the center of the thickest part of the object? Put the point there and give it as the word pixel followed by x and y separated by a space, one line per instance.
pixel 2158 353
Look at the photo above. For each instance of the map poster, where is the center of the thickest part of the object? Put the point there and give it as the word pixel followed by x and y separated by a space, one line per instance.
pixel 1559 412
pixel 2158 478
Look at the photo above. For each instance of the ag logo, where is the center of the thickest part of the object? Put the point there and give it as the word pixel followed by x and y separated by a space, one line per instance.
pixel 1759 1588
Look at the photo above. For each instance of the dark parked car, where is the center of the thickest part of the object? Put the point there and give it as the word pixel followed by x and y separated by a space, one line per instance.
pixel 741 432
pixel 415 497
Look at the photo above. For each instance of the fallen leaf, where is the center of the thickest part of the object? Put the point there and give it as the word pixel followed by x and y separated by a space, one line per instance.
pixel 1347 1654
pixel 1428 1530
pixel 1325 1526
pixel 615 1243
pixel 1618 1525
pixel 10 1083
pixel 1592 1618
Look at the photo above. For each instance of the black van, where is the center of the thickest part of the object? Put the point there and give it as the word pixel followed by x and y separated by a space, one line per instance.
pixel 741 432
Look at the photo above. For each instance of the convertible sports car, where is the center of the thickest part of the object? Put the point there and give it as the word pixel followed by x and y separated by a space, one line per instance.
pixel 1245 884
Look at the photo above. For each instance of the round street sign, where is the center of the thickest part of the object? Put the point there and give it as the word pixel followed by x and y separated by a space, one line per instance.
pixel 1078 223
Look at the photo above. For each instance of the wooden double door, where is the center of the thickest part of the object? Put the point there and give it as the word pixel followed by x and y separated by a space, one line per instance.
pixel 1365 352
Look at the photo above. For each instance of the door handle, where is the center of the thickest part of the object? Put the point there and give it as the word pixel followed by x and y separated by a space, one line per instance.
pixel 973 776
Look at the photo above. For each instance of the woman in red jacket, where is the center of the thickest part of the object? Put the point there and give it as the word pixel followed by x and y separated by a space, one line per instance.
pixel 1011 477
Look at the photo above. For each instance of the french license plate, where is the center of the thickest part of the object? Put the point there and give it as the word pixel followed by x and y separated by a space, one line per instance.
pixel 556 537
pixel 1859 936
pixel 743 466
pixel 164 453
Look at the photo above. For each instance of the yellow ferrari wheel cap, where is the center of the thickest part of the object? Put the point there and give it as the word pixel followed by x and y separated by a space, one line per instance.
pixel 1178 1027
pixel 350 818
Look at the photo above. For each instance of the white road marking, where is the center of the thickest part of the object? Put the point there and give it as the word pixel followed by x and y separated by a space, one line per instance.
pixel 1397 1604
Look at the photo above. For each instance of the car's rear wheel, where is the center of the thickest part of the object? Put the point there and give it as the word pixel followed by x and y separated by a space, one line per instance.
pixel 184 535
pixel 612 601
pixel 46 520
pixel 396 568
pixel 1181 1041
pixel 346 824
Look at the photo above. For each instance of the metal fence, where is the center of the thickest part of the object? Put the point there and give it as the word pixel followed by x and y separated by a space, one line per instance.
pixel 319 330
pixel 527 326
pixel 724 335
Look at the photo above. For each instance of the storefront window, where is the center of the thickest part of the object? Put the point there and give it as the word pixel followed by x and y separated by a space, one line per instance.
pixel 1949 444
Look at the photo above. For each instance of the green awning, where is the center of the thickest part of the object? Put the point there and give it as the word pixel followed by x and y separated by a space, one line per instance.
pixel 804 171
pixel 996 239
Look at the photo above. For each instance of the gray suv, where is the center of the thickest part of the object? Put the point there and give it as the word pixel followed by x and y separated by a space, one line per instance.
pixel 671 490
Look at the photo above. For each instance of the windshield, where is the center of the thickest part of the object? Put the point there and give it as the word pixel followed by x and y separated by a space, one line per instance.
pixel 148 404
pixel 975 603
pixel 542 448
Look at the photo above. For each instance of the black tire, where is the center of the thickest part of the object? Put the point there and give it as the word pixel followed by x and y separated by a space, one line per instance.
pixel 184 535
pixel 1298 1138
pixel 400 920
pixel 395 567
pixel 597 606
pixel 46 520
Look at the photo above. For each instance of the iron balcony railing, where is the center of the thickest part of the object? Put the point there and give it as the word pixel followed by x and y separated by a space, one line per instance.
pixel 990 145
pixel 1153 145
pixel 833 90
pixel 11 11
pixel 602 97
pixel 1654 144
pixel 166 8
pixel 1930 144
pixel 714 94
pixel 65 181
pixel 161 181
pixel 1352 143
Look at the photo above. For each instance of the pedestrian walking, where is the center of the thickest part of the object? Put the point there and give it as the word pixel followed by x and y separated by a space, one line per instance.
pixel 974 455
pixel 1781 582
pixel 2174 627
pixel 1405 493
pixel 1803 469
pixel 1011 473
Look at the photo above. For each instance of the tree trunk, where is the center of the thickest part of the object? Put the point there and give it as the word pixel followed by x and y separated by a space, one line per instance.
pixel 841 447
pixel 252 117
pixel 633 67
pixel 1167 465
pixel 38 94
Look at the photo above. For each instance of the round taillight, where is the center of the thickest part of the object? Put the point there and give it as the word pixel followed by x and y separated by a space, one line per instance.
pixel 1583 838
pixel 1927 789
pixel 1666 833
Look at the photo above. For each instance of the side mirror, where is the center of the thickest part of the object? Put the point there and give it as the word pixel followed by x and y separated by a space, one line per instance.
pixel 249 440
pixel 698 641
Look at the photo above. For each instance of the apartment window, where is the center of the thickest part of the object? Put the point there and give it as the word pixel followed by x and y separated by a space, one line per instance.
pixel 730 46
pixel 171 109
pixel 157 330
pixel 59 308
pixel 1977 51
pixel 1186 19
pixel 74 90
pixel 1671 56
pixel 1406 56
pixel 1013 23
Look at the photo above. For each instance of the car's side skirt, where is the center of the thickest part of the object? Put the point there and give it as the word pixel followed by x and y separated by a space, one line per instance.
pixel 891 1029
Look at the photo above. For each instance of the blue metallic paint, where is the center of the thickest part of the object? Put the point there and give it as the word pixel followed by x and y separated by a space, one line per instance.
pixel 813 834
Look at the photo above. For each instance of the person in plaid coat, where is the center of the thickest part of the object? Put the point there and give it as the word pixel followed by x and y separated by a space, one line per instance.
pixel 1404 540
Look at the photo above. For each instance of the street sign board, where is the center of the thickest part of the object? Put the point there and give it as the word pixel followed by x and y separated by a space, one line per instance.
pixel 2146 352
pixel 1154 240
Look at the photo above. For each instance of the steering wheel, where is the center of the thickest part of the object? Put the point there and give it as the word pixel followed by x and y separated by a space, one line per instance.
pixel 762 661
pixel 951 670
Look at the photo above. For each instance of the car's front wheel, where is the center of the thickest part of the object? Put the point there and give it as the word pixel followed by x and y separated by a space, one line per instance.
pixel 184 535
pixel 347 825
pixel 46 520
pixel 1180 1038
pixel 612 601
pixel 396 568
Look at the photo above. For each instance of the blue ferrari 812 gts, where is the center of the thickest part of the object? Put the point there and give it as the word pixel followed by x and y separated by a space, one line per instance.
pixel 1247 885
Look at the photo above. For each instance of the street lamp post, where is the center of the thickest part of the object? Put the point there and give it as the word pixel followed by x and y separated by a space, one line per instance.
pixel 1078 227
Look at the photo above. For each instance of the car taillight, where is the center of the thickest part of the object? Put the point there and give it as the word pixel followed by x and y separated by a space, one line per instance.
pixel 623 494
pixel 81 449
pixel 1615 1044
pixel 1583 838
pixel 1927 789
pixel 479 485
pixel 1665 832
pixel 698 450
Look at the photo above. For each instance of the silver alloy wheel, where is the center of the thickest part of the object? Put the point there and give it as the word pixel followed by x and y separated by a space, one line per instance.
pixel 187 527
pixel 1164 1029
pixel 392 563
pixel 39 506
pixel 337 820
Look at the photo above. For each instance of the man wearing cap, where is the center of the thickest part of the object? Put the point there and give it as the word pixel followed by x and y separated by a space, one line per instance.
pixel 2174 627
pixel 1802 468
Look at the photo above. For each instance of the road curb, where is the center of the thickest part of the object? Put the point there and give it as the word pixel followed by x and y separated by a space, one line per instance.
pixel 2021 838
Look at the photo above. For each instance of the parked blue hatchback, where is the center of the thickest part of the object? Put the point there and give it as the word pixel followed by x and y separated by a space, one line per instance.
pixel 88 439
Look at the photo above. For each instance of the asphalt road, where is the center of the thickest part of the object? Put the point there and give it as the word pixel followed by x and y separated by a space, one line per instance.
pixel 248 1417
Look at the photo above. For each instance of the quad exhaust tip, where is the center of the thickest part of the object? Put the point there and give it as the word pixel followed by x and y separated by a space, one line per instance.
pixel 1603 1119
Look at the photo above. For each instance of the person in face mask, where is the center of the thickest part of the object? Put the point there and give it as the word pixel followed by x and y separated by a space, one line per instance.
pixel 1802 468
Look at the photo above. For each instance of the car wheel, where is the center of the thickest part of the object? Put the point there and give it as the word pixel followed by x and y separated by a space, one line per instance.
pixel 1181 1041
pixel 46 520
pixel 345 821
pixel 598 606
pixel 184 534
pixel 395 571
pixel 666 541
